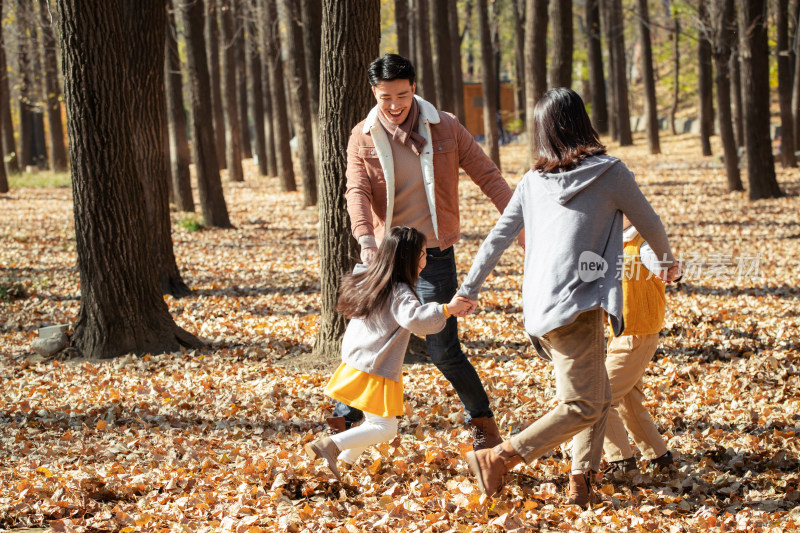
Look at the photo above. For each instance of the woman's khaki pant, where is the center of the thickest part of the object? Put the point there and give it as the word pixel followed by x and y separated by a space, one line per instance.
pixel 627 360
pixel 577 351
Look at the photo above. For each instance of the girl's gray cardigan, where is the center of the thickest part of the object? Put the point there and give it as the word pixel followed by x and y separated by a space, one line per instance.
pixel 377 344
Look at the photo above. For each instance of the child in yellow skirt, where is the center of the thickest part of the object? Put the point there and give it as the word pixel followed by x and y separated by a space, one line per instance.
pixel 384 311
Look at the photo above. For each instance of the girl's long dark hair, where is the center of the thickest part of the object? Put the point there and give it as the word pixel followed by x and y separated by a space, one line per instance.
pixel 397 261
pixel 563 131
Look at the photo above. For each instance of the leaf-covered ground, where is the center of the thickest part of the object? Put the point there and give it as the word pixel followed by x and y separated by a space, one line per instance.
pixel 211 440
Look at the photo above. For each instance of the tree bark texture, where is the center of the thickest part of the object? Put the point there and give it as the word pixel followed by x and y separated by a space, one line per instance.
pixel 212 43
pixel 676 69
pixel 145 41
pixel 704 80
pixel 204 153
pixel 597 83
pixel 606 10
pixel 443 55
pixel 796 77
pixel 561 62
pixel 736 94
pixel 58 150
pixel 269 122
pixel 122 309
pixel 283 153
pixel 401 25
pixel 723 23
pixel 518 7
pixel 620 79
pixel 755 100
pixel 9 145
pixel 257 76
pixel 350 37
pixel 233 134
pixel 648 77
pixel 240 58
pixel 3 173
pixel 426 83
pixel 458 75
pixel 25 87
pixel 176 116
pixel 535 64
pixel 312 24
pixel 785 86
pixel 298 93
pixel 489 83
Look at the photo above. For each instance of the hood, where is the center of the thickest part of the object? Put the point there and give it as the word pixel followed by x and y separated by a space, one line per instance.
pixel 563 186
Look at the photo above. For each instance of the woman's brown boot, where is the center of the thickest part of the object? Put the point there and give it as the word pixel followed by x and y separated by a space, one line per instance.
pixel 489 466
pixel 580 489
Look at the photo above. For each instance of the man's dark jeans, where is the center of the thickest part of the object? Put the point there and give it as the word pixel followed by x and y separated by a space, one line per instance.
pixel 438 283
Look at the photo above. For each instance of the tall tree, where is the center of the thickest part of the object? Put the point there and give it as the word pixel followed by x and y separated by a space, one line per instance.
pixel 795 83
pixel 736 94
pixel 9 146
pixel 283 153
pixel 145 37
pixel 3 175
pixel 442 55
pixel 58 150
pixel 426 83
pixel 122 309
pixel 230 97
pixel 489 86
pixel 755 100
pixel 788 158
pixel 458 75
pixel 298 93
pixel 705 78
pixel 676 66
pixel 518 10
pixel 269 122
pixel 350 37
pixel 401 25
pixel 648 77
pixel 606 10
pixel 620 81
pixel 257 75
pixel 204 154
pixel 722 21
pixel 597 82
pixel 562 39
pixel 176 119
pixel 218 104
pixel 25 85
pixel 312 22
pixel 240 59
pixel 535 64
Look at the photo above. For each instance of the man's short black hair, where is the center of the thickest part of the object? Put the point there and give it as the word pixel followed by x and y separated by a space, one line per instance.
pixel 391 67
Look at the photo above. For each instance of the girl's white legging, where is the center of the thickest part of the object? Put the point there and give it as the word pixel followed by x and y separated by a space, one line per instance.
pixel 373 430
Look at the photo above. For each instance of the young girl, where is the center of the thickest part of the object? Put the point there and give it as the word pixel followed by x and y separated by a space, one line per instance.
pixel 571 205
pixel 385 310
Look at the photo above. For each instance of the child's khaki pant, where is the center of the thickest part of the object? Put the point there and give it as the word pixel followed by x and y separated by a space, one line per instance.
pixel 627 360
pixel 577 351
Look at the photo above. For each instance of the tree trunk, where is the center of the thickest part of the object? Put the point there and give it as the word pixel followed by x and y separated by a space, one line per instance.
pixel 212 42
pixel 795 83
pixel 269 122
pixel 562 38
pixel 3 175
pixel 489 86
pixel 257 75
pixel 518 7
pixel 176 117
pixel 650 105
pixel 676 68
pixel 458 75
pixel 36 90
pixel 755 100
pixel 233 135
pixel 122 309
pixel 298 93
pixel 401 25
pixel 58 150
pixel 704 80
pixel 312 23
pixel 723 23
pixel 240 59
pixel 204 153
pixel 736 93
pixel 620 79
pixel 785 86
pixel 535 65
pixel 283 153
pixel 443 55
pixel 350 37
pixel 146 38
pixel 24 88
pixel 608 23
pixel 426 83
pixel 597 86
pixel 9 147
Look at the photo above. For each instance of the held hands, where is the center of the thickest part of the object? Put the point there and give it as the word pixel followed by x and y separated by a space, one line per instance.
pixel 461 307
pixel 368 254
pixel 672 274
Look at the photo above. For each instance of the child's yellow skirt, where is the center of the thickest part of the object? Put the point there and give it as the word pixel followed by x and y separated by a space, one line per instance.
pixel 370 393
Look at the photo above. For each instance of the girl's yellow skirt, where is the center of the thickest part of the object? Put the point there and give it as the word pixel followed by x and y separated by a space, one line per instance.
pixel 370 393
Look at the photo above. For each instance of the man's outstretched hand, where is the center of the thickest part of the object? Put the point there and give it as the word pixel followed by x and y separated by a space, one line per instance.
pixel 461 307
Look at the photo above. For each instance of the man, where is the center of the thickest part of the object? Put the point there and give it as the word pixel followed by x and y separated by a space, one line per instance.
pixel 402 169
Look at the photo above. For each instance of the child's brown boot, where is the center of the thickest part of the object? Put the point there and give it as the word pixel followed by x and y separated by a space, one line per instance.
pixel 489 466
pixel 325 448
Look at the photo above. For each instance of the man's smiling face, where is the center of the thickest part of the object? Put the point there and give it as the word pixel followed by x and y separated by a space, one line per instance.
pixel 394 99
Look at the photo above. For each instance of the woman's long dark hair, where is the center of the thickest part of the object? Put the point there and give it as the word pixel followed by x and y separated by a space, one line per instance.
pixel 563 131
pixel 397 261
